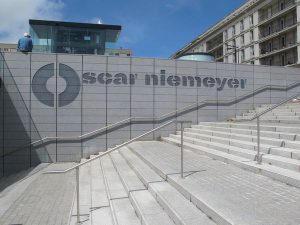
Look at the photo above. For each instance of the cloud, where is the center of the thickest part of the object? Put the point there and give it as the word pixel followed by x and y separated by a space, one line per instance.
pixel 177 5
pixel 14 16
pixel 96 20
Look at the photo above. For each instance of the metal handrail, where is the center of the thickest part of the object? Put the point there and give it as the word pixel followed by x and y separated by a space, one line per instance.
pixel 114 149
pixel 271 108
pixel 258 156
pixel 166 116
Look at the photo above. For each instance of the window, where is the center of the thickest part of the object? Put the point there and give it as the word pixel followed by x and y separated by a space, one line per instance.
pixel 270 47
pixel 269 12
pixel 252 62
pixel 269 29
pixel 242 39
pixel 281 5
pixel 282 23
pixel 251 35
pixel 283 41
pixel 225 35
pixel 233 58
pixel 233 43
pixel 242 25
pixel 252 51
pixel 242 55
pixel 251 19
pixel 233 30
pixel 282 59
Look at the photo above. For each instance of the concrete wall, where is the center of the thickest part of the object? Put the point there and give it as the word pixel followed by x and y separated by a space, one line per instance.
pixel 68 95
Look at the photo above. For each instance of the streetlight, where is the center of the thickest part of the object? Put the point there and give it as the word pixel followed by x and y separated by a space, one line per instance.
pixel 231 47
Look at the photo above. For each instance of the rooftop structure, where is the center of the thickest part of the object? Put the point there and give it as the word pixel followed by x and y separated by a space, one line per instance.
pixel 70 37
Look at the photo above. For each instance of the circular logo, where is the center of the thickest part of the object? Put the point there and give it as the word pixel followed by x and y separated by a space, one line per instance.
pixel 39 85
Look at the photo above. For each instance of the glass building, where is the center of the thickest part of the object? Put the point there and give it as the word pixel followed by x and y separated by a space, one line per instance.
pixel 73 38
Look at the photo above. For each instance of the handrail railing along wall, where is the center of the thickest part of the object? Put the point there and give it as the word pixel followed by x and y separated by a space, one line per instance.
pixel 257 116
pixel 258 157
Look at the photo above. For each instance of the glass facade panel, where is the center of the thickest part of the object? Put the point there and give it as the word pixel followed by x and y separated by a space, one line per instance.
pixel 73 38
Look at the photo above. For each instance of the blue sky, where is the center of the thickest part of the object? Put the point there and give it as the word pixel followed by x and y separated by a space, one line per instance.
pixel 151 28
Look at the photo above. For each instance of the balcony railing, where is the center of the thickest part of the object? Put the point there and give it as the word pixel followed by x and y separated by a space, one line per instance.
pixel 277 28
pixel 265 48
pixel 275 9
pixel 278 62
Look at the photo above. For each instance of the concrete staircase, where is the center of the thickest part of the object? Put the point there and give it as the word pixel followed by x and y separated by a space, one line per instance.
pixel 141 184
pixel 236 142
pixel 122 189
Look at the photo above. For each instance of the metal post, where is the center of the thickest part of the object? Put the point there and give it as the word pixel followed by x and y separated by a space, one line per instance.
pixel 77 194
pixel 258 142
pixel 181 149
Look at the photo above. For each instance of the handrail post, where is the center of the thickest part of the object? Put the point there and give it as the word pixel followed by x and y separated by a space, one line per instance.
pixel 77 195
pixel 258 158
pixel 181 164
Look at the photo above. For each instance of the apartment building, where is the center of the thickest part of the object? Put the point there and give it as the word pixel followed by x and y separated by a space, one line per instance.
pixel 261 32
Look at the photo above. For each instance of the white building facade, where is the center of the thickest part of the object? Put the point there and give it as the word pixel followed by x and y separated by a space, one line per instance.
pixel 261 32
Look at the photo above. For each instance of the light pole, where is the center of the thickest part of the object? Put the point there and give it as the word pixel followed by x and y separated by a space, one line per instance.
pixel 230 47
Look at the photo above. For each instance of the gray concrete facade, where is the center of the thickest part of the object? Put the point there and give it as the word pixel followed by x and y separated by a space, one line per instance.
pixel 71 95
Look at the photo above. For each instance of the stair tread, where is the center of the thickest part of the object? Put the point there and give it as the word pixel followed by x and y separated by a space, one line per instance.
pixel 231 140
pixel 132 182
pixel 147 173
pixel 269 168
pixel 114 184
pixel 150 210
pixel 184 209
pixel 125 214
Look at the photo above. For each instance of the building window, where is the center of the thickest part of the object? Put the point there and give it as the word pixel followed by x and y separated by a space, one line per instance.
pixel 242 25
pixel 225 35
pixel 270 47
pixel 251 35
pixel 283 41
pixel 282 23
pixel 269 29
pixel 242 40
pixel 233 30
pixel 252 51
pixel 270 12
pixel 252 62
pixel 281 5
pixel 242 55
pixel 233 58
pixel 270 61
pixel 282 59
pixel 251 19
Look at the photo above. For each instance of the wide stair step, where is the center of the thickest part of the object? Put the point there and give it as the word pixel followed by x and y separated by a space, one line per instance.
pixel 225 193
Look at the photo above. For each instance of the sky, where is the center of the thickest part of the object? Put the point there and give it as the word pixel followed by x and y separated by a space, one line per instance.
pixel 151 28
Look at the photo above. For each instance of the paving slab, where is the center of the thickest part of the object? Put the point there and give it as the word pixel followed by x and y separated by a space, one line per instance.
pixel 47 200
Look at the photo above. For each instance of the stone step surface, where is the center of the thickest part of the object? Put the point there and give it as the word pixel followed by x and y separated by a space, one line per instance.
pixel 46 200
pixel 284 175
pixel 227 194
pixel 181 210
